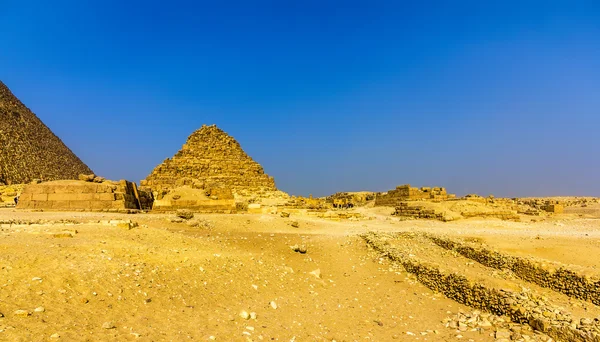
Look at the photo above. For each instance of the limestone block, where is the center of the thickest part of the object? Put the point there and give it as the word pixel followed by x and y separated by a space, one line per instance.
pixel 39 197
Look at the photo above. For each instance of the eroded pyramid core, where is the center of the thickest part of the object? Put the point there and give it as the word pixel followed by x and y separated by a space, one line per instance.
pixel 28 149
pixel 210 159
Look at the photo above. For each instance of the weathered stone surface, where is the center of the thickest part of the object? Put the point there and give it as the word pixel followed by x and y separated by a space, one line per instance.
pixel 197 200
pixel 210 159
pixel 66 195
pixel 29 149
pixel 408 193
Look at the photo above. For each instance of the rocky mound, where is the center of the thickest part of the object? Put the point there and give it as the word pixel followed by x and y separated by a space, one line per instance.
pixel 210 159
pixel 29 150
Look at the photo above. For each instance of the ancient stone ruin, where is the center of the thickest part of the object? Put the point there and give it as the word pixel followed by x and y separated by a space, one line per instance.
pixel 553 206
pixel 28 149
pixel 419 212
pixel 213 200
pixel 206 174
pixel 210 159
pixel 407 193
pixel 81 195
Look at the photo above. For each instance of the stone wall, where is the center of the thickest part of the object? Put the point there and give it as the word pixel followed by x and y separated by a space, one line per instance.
pixel 546 274
pixel 67 195
pixel 552 206
pixel 215 200
pixel 407 193
pixel 418 212
pixel 518 306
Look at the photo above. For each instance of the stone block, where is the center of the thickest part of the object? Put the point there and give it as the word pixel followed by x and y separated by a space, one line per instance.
pixel 104 197
pixel 62 197
pixel 59 205
pixel 39 197
pixel 84 197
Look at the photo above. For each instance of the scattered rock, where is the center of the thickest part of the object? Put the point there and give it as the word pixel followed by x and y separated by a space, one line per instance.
pixel 185 214
pixel 299 248
pixel 273 305
pixel 87 178
pixel 316 273
pixel 245 315
pixel 285 214
pixel 99 179
pixel 108 325
pixel 502 333
pixel 55 335
pixel 295 224
pixel 22 313
pixel 63 235
pixel 39 309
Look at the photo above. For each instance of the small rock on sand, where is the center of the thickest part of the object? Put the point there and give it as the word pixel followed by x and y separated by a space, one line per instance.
pixel 22 313
pixel 108 325
pixel 316 273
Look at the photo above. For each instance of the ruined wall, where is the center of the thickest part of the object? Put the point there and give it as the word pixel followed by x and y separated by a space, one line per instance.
pixel 418 212
pixel 215 200
pixel 518 306
pixel 210 159
pixel 407 193
pixel 547 274
pixel 80 195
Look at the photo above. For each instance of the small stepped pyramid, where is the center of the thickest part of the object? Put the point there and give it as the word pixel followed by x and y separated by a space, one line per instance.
pixel 28 149
pixel 210 159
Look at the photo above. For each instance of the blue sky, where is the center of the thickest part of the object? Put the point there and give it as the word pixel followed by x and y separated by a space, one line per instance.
pixel 478 96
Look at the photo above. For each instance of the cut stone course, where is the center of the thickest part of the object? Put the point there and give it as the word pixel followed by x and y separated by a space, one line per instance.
pixel 405 192
pixel 65 195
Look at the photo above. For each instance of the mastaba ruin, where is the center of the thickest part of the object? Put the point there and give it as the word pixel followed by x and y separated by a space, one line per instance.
pixel 29 150
pixel 207 172
pixel 407 193
pixel 93 194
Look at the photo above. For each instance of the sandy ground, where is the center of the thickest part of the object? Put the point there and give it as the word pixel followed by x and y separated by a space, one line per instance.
pixel 164 281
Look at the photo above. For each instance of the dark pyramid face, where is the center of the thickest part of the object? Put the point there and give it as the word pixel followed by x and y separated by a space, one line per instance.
pixel 28 149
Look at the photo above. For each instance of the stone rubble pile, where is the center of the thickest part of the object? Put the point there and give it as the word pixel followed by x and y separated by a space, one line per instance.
pixel 520 307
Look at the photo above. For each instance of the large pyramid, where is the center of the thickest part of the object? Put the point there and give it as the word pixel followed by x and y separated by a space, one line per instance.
pixel 210 159
pixel 28 149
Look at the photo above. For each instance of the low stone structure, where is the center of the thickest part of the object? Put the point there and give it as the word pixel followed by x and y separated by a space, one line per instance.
pixel 219 200
pixel 66 195
pixel 545 273
pixel 419 212
pixel 407 193
pixel 520 307
pixel 553 206
pixel 350 199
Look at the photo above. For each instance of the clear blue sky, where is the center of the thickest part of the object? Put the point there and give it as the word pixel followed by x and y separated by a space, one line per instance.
pixel 483 97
